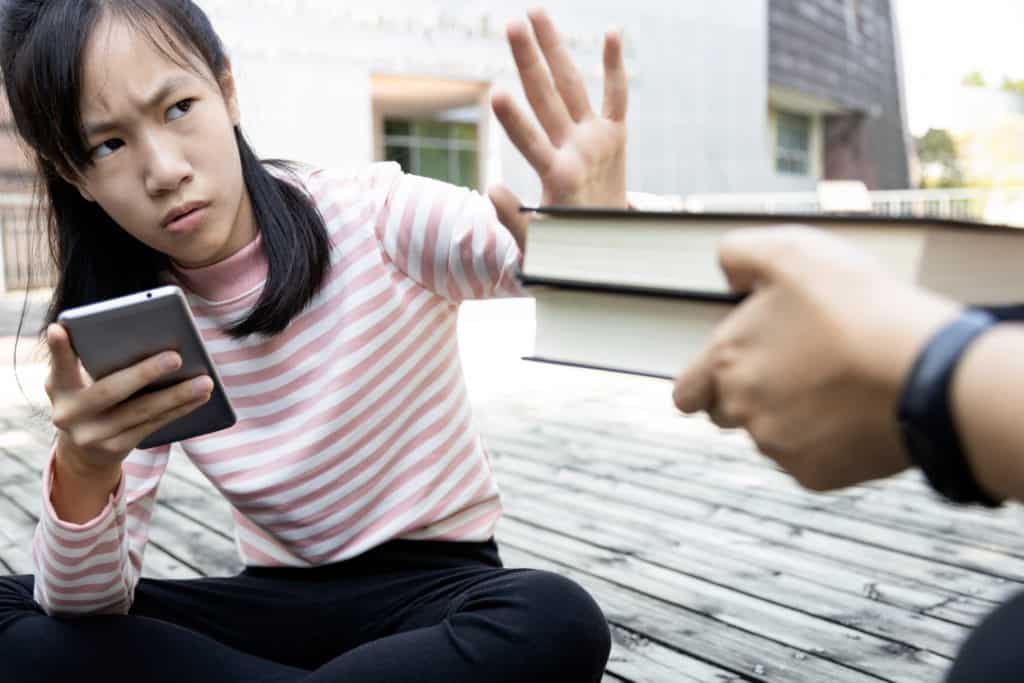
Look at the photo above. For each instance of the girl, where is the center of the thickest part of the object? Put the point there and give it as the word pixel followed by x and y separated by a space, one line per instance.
pixel 363 499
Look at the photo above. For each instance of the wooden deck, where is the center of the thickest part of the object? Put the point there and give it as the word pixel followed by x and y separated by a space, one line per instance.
pixel 709 563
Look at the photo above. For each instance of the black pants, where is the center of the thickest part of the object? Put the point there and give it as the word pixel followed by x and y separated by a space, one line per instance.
pixel 993 653
pixel 406 611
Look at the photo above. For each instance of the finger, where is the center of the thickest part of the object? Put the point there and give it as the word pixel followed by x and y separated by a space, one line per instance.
pixel 149 407
pixel 123 384
pixel 524 135
pixel 694 388
pixel 507 205
pixel 616 84
pixel 747 257
pixel 126 441
pixel 540 91
pixel 65 371
pixel 734 394
pixel 567 77
pixel 723 418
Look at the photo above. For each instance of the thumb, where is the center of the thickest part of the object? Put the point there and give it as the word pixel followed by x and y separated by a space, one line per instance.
pixel 748 258
pixel 65 370
pixel 507 204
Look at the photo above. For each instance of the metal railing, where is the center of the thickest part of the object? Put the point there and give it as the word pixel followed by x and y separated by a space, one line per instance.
pixel 990 206
pixel 24 254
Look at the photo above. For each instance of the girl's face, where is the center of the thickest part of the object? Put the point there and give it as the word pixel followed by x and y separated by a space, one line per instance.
pixel 165 162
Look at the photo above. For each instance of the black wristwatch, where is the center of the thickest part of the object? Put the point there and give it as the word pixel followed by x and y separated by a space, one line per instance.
pixel 926 419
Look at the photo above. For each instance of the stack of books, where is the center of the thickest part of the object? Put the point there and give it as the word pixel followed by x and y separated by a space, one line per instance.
pixel 641 292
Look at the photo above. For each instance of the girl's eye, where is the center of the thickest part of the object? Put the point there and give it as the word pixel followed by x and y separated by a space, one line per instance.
pixel 107 148
pixel 179 109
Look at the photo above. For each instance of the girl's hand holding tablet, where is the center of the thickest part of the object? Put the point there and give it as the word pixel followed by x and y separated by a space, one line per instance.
pixel 99 423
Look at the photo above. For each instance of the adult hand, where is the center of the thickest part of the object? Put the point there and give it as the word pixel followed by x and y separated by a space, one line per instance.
pixel 580 156
pixel 812 362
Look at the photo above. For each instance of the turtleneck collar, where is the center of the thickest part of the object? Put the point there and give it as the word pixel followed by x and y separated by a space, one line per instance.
pixel 229 279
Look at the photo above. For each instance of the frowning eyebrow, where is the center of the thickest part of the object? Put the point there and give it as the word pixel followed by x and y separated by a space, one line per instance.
pixel 158 96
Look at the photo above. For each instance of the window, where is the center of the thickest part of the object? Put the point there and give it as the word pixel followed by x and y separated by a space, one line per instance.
pixel 793 143
pixel 445 150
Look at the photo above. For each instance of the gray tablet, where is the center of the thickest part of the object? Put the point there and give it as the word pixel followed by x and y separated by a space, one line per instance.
pixel 112 335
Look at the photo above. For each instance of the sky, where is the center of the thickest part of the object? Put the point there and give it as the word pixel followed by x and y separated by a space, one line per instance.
pixel 944 39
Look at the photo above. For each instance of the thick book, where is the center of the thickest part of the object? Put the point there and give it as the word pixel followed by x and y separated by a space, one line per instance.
pixel 654 335
pixel 641 292
pixel 676 252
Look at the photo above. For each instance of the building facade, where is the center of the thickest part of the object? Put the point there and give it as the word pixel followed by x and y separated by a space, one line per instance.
pixel 743 96
pixel 834 69
pixel 750 95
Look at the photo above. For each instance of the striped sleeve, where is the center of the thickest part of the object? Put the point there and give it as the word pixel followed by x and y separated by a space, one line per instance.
pixel 448 239
pixel 92 568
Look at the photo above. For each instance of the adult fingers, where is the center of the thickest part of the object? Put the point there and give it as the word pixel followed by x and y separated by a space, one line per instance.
pixel 567 77
pixel 694 388
pixel 616 85
pixel 747 257
pixel 540 91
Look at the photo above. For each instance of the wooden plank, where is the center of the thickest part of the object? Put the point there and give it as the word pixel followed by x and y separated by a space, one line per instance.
pixel 157 563
pixel 648 491
pixel 684 452
pixel 200 502
pixel 825 557
pixel 884 657
pixel 16 525
pixel 16 559
pixel 852 610
pixel 27 438
pixel 204 551
pixel 13 470
pixel 610 678
pixel 693 538
pixel 757 565
pixel 924 516
pixel 637 658
pixel 753 656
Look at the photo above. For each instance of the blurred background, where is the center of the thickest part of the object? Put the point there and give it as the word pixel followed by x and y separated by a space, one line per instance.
pixel 746 105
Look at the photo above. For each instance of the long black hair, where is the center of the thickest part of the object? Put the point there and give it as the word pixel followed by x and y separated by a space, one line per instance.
pixel 41 48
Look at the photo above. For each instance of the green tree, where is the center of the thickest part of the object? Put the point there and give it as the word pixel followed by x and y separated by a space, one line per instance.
pixel 940 163
pixel 1013 85
pixel 974 80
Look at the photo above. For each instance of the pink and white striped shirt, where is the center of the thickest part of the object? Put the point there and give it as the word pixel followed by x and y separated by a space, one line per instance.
pixel 354 422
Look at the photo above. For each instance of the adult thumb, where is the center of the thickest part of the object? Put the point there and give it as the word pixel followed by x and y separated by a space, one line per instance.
pixel 746 257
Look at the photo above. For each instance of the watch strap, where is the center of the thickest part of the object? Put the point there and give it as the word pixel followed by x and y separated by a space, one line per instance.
pixel 925 416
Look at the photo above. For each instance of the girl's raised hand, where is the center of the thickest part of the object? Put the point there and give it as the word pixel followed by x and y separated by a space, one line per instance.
pixel 580 155
pixel 97 425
